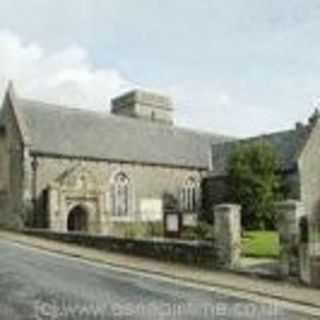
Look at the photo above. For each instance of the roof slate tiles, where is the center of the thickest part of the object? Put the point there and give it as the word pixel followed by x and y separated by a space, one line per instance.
pixel 70 132
pixel 287 144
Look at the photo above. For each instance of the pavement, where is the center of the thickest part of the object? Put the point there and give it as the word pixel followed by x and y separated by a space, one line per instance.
pixel 261 267
pixel 43 279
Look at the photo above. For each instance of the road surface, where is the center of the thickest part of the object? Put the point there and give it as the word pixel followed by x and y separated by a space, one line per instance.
pixel 35 284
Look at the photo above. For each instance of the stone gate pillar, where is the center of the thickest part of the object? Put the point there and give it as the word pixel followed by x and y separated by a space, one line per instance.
pixel 227 230
pixel 314 259
pixel 289 213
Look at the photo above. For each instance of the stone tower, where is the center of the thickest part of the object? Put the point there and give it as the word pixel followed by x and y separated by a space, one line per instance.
pixel 144 105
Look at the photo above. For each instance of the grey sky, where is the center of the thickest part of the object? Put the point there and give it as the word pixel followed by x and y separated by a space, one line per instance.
pixel 238 67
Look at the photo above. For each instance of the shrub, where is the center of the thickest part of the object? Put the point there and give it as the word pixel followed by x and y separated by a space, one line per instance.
pixel 202 231
pixel 189 234
pixel 134 230
pixel 154 229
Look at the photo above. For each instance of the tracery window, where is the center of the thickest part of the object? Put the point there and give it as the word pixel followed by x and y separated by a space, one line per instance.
pixel 189 195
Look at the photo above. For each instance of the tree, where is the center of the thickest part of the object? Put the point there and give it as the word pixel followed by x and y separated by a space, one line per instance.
pixel 256 183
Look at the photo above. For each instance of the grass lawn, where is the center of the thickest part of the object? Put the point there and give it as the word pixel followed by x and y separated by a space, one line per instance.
pixel 261 244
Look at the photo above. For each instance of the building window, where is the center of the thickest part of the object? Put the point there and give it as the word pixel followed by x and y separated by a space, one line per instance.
pixel 189 195
pixel 120 195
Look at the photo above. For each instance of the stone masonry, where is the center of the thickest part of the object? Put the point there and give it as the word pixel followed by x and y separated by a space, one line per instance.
pixel 227 230
pixel 148 183
pixel 290 213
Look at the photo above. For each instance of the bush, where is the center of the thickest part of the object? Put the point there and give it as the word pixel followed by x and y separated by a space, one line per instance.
pixel 134 230
pixel 202 231
pixel 189 234
pixel 154 229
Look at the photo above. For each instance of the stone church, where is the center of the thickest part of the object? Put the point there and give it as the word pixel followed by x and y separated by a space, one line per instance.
pixel 70 169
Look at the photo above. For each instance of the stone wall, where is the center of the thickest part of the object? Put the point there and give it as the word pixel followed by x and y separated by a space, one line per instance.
pixel 297 258
pixel 223 252
pixel 309 168
pixel 148 184
pixel 12 171
pixel 188 252
pixel 315 271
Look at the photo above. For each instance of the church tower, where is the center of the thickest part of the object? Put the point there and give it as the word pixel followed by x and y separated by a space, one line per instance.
pixel 144 105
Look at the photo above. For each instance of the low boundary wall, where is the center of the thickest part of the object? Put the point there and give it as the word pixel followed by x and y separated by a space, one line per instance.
pixel 199 253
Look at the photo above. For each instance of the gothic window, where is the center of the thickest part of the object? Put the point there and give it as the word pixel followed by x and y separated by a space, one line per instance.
pixel 189 195
pixel 120 195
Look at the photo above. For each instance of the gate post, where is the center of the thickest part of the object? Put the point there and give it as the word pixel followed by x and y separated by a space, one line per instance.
pixel 290 213
pixel 227 230
pixel 314 250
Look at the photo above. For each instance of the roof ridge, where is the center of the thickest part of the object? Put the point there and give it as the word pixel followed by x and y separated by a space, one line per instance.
pixel 286 142
pixel 260 136
pixel 205 132
pixel 106 114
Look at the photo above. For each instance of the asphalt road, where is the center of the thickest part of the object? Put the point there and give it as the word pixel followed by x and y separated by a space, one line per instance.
pixel 37 285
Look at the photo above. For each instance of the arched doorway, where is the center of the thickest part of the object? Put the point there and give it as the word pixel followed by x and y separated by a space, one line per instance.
pixel 78 219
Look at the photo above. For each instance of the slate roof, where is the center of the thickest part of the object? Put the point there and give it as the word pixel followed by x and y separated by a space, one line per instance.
pixel 287 144
pixel 58 130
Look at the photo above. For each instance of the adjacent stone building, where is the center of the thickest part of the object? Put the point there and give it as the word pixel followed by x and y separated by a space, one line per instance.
pixel 72 169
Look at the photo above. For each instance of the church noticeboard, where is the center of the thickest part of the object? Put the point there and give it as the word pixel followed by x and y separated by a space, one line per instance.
pixel 151 210
pixel 172 224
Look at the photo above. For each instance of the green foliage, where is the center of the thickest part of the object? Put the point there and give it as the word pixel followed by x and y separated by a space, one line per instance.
pixel 189 233
pixel 170 202
pixel 202 231
pixel 10 227
pixel 134 230
pixel 256 184
pixel 261 244
pixel 154 229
